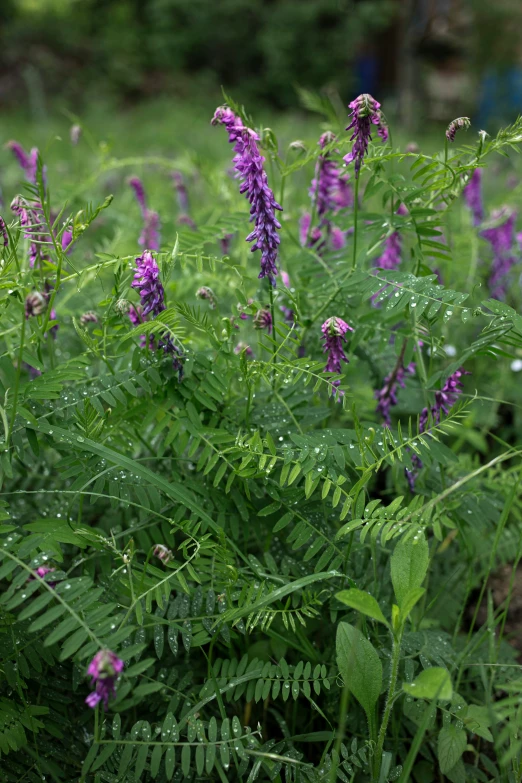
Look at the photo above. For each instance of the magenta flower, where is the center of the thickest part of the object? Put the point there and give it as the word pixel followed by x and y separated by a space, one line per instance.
pixel 162 553
pixel 366 111
pixel 225 243
pixel 149 238
pixel 3 231
pixel 204 292
pixel 104 670
pixel 147 283
pixel 27 161
pixel 42 571
pixel 248 163
pixel 334 332
pixel 67 240
pixel 387 396
pixel 285 279
pixel 473 196
pixel 32 221
pixel 501 237
pixel 391 256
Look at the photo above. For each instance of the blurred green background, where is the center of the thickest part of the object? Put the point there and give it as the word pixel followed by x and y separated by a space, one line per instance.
pixel 430 60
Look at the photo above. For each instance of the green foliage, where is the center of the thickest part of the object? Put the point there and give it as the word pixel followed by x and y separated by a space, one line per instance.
pixel 287 605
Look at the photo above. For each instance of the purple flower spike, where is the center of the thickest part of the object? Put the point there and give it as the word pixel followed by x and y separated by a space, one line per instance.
pixel 149 238
pixel 181 190
pixel 28 162
pixel 334 332
pixel 501 237
pixel 366 111
pixel 391 256
pixel 263 320
pixel 248 163
pixel 473 197
pixel 3 231
pixel 67 240
pixel 147 283
pixel 104 670
pixel 387 396
pixel 456 125
pixel 444 402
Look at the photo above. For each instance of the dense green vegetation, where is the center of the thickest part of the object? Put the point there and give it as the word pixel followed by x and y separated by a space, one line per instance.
pixel 292 591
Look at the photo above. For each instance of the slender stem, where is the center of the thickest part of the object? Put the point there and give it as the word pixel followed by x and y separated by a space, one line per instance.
pixel 274 343
pixel 355 215
pixel 345 696
pixel 396 654
pixel 17 380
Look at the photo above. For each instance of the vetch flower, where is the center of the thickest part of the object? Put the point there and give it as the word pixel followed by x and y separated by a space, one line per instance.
pixel 334 332
pixel 35 304
pixel 366 111
pixel 136 318
pixel 445 399
pixel 391 255
pixel 473 196
pixel 387 396
pixel 149 238
pixel 225 243
pixel 42 571
pixel 169 347
pixel 3 231
pixel 243 347
pixel 263 320
pixel 32 221
pixel 89 317
pixel 183 199
pixel 67 238
pixel 501 237
pixel 27 161
pixel 285 279
pixel 163 553
pixel 248 163
pixel 207 293
pixel 147 282
pixel 104 670
pixel 456 125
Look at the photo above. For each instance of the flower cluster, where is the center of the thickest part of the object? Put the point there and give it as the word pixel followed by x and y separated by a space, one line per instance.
pixel 89 317
pixel 334 333
pixel 204 292
pixel 35 304
pixel 163 553
pixel 473 196
pixel 149 238
pixel 183 200
pixel 366 111
pixel 501 237
pixel 330 192
pixel 32 221
pixel 456 125
pixel 104 670
pixel 148 284
pixel 263 320
pixel 248 163
pixel 391 255
pixel 387 396
pixel 445 399
pixel 28 161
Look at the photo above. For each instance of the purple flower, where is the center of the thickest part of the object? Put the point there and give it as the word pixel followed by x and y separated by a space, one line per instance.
pixel 149 238
pixel 181 190
pixel 387 396
pixel 67 240
pixel 473 196
pixel 240 347
pixel 35 304
pixel 444 402
pixel 136 318
pixel 27 161
pixel 285 279
pixel 248 163
pixel 3 231
pixel 147 283
pixel 54 329
pixel 334 332
pixel 289 314
pixel 89 317
pixel 42 571
pixel 32 221
pixel 169 347
pixel 456 125
pixel 304 229
pixel 344 196
pixel 366 111
pixel 501 237
pixel 391 256
pixel 162 553
pixel 263 320
pixel 225 243
pixel 207 293
pixel 104 670
pixel 186 220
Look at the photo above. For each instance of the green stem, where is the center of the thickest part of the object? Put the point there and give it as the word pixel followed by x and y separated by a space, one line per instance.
pixel 345 696
pixel 355 215
pixel 396 653
pixel 274 343
pixel 17 380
